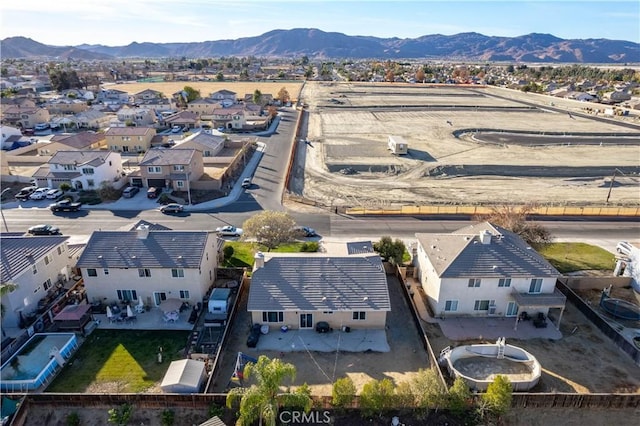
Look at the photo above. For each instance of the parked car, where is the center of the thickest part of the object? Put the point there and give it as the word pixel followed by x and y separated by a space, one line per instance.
pixel 130 191
pixel 39 194
pixel 229 231
pixel 172 208
pixel 43 230
pixel 624 247
pixel 41 126
pixel 153 192
pixel 65 205
pixel 305 231
pixel 54 194
pixel 246 183
pixel 24 193
pixel 176 129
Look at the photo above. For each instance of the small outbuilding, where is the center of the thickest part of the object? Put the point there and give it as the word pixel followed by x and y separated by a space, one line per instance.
pixel 184 376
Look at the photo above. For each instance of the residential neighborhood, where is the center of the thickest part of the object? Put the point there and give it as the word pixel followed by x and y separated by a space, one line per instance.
pixel 169 186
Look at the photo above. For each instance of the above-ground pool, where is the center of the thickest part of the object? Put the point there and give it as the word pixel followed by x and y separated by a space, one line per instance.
pixel 35 363
pixel 478 365
pixel 619 308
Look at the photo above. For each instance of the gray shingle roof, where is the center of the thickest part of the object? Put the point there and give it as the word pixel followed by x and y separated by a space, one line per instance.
pixel 359 247
pixel 167 157
pixel 20 252
pixel 461 254
pixel 320 284
pixel 80 158
pixel 160 249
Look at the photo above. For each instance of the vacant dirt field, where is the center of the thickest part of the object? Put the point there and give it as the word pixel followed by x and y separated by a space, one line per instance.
pixel 347 161
pixel 206 87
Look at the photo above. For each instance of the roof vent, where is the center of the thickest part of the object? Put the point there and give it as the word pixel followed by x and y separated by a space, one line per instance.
pixel 324 298
pixel 100 256
pixel 180 257
pixel 364 299
pixel 485 237
pixel 494 267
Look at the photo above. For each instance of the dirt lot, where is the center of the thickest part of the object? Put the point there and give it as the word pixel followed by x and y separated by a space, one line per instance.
pixel 441 168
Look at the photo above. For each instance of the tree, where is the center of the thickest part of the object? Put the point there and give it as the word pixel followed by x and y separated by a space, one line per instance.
pixel 343 392
pixel 257 97
pixel 270 228
pixel 427 389
pixel 220 76
pixel 390 251
pixel 192 94
pixel 514 219
pixel 283 95
pixel 458 397
pixel 120 415
pixel 262 400
pixel 64 186
pixel 420 75
pixel 377 396
pixel 498 395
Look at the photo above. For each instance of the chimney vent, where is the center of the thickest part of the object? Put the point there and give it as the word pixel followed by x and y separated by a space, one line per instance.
pixel 485 237
pixel 143 232
pixel 259 260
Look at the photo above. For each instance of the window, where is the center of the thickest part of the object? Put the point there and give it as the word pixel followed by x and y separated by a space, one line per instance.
pixel 184 294
pixel 178 168
pixel 481 305
pixel 88 171
pixel 474 282
pixel 536 285
pixel 177 273
pixel 144 272
pixel 273 317
pixel 451 305
pixel 91 272
pixel 154 169
pixel 206 153
pixel 504 282
pixel 127 295
pixel 34 269
pixel 327 312
pixel 68 167
pixel 125 148
pixel 180 183
pixel 37 289
pixel 59 249
pixel 47 284
pixel 46 260
pixel 106 271
pixel 360 315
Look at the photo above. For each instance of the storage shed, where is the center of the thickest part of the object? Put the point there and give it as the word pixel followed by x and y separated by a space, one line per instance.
pixel 184 376
pixel 398 145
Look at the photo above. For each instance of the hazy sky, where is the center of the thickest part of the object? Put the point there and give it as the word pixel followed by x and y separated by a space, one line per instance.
pixel 120 22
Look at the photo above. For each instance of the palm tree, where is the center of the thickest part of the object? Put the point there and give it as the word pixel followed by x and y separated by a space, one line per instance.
pixel 262 400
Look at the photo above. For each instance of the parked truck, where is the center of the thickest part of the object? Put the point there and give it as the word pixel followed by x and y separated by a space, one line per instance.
pixel 65 205
pixel 398 145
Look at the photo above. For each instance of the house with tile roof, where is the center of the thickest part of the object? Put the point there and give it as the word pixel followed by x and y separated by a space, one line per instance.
pixel 171 168
pixel 82 141
pixel 129 139
pixel 80 169
pixel 299 291
pixel 139 116
pixel 152 265
pixel 35 264
pixel 225 97
pixel 204 107
pixel 24 117
pixel 210 145
pixel 485 270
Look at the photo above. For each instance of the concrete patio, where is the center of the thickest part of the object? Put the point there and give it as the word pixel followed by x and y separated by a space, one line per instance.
pixel 303 340
pixel 149 320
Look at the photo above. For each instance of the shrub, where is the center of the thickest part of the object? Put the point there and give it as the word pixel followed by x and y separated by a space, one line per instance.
pixel 458 397
pixel 108 192
pixel 215 410
pixel 228 251
pixel 309 247
pixel 64 186
pixel 377 396
pixel 343 392
pixel 498 395
pixel 73 419
pixel 168 417
pixel 120 415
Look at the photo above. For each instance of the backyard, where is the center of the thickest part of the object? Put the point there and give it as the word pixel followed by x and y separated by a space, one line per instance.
pixel 121 361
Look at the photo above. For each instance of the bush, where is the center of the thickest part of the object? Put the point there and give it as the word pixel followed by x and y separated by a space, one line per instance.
pixel 73 419
pixel 168 417
pixel 120 415
pixel 215 410
pixel 309 247
pixel 377 396
pixel 64 186
pixel 108 192
pixel 343 392
pixel 228 251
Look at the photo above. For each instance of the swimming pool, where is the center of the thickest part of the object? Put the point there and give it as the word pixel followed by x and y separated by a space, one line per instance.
pixel 37 361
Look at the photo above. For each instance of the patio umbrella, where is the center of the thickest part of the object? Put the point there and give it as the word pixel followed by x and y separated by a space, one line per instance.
pixel 109 313
pixel 129 312
pixel 171 305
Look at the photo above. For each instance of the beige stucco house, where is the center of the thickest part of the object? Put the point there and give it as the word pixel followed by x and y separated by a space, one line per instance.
pixel 24 117
pixel 299 291
pixel 129 139
pixel 83 141
pixel 171 168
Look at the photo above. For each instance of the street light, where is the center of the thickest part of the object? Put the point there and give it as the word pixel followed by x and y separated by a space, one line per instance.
pixel 2 210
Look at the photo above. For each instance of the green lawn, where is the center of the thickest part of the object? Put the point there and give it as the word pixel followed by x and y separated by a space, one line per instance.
pixel 125 357
pixel 244 252
pixel 571 257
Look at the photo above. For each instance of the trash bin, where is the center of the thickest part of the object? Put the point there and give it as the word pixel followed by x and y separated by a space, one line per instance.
pixel 346 329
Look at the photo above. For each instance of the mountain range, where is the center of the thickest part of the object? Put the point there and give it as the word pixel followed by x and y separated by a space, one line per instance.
pixel 314 43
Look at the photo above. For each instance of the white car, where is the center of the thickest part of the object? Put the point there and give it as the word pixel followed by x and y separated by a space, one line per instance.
pixel 54 194
pixel 39 194
pixel 624 248
pixel 229 231
pixel 176 129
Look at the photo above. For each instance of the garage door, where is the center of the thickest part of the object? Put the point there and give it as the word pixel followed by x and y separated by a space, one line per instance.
pixel 156 183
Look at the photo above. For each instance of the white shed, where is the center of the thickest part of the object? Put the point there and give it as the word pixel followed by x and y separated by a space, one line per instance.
pixel 184 376
pixel 398 145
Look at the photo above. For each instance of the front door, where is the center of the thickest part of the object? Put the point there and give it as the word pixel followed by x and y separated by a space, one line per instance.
pixel 159 297
pixel 512 309
pixel 306 320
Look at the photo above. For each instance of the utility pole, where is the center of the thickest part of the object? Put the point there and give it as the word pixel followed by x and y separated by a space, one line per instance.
pixel 613 179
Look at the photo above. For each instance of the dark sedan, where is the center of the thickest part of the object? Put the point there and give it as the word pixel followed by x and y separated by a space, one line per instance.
pixel 43 230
